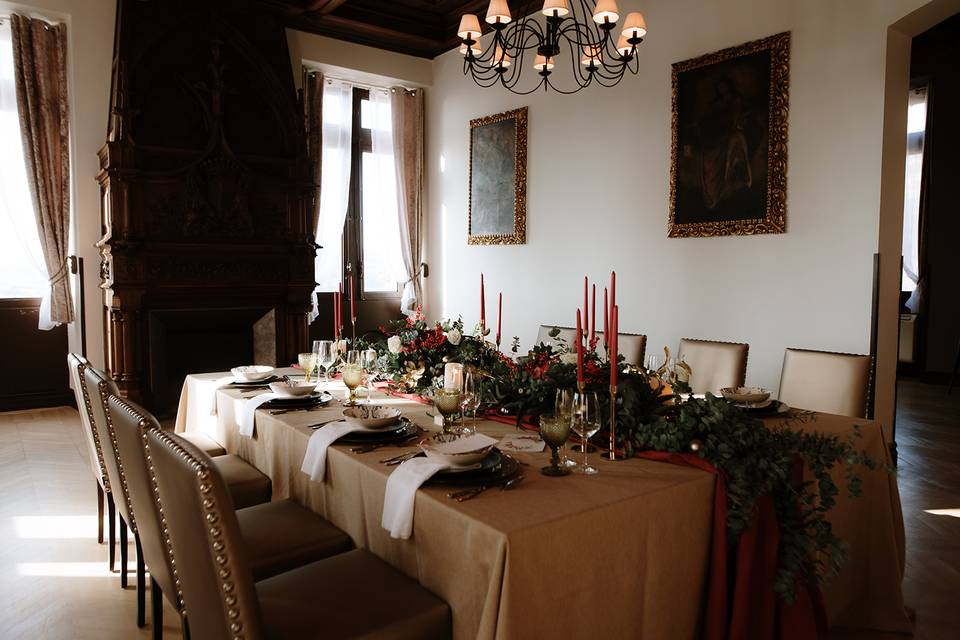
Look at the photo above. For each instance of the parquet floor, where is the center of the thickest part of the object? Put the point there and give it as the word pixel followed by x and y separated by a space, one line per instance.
pixel 54 581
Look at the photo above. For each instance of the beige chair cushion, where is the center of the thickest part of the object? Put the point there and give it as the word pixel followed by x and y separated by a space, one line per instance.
pixel 76 364
pixel 837 383
pixel 715 365
pixel 632 346
pixel 247 485
pixel 352 595
pixel 205 443
pixel 282 535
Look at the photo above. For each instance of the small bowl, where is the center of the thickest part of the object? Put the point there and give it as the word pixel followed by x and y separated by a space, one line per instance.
pixel 456 450
pixel 372 417
pixel 745 395
pixel 293 388
pixel 252 373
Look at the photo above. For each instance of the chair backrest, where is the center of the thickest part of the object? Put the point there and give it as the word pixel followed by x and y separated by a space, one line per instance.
pixel 215 577
pixel 632 346
pixel 567 335
pixel 130 425
pixel 76 364
pixel 99 387
pixel 714 365
pixel 837 383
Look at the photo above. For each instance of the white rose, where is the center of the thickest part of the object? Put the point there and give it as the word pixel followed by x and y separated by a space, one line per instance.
pixel 454 336
pixel 568 358
pixel 393 344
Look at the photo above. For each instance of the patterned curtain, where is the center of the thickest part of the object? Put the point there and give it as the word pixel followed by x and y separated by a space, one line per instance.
pixel 407 111
pixel 40 77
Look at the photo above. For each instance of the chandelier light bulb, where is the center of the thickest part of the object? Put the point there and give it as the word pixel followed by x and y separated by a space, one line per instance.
pixel 558 8
pixel 591 56
pixel 469 27
pixel 498 12
pixel 540 63
pixel 501 58
pixel 475 47
pixel 634 26
pixel 606 11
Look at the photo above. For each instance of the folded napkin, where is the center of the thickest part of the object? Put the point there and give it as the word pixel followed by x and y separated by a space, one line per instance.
pixel 250 410
pixel 402 488
pixel 315 459
pixel 214 385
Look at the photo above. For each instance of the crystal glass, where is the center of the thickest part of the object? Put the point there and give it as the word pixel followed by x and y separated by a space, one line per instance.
pixel 307 362
pixel 586 422
pixel 447 402
pixel 470 400
pixel 651 363
pixel 368 361
pixel 326 354
pixel 352 376
pixel 563 406
pixel 554 431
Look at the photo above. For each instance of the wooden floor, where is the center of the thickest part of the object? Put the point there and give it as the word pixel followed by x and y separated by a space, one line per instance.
pixel 54 581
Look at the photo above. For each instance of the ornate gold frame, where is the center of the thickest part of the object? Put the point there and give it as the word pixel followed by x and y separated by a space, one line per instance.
pixel 775 220
pixel 519 235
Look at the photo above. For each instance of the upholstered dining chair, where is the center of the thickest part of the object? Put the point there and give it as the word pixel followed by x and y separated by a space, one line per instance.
pixel 714 365
pixel 828 382
pixel 631 345
pixel 567 334
pixel 278 536
pixel 75 364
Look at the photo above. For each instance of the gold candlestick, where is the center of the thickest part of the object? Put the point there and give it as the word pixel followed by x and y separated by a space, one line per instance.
pixel 353 323
pixel 612 454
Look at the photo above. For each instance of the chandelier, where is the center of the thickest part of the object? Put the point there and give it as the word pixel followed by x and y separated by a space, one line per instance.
pixel 588 38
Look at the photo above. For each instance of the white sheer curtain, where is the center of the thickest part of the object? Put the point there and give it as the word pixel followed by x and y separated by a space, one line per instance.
pixel 334 184
pixel 23 273
pixel 916 125
pixel 383 266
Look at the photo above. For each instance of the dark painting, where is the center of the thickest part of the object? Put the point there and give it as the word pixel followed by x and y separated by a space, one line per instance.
pixel 729 141
pixel 498 179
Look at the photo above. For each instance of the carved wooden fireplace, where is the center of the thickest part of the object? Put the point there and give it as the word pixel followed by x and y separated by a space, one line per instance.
pixel 206 191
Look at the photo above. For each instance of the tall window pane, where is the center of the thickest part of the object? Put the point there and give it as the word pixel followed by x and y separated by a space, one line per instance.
pixel 916 125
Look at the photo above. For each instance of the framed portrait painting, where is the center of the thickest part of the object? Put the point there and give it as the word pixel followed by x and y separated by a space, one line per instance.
pixel 728 173
pixel 498 179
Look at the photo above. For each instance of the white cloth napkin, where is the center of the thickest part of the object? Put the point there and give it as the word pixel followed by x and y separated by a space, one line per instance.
pixel 315 459
pixel 250 410
pixel 402 488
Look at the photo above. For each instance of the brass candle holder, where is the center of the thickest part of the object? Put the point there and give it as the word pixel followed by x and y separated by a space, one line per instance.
pixel 612 454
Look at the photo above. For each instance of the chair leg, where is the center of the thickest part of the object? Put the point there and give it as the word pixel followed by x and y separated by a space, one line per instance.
pixel 141 586
pixel 185 627
pixel 100 498
pixel 156 609
pixel 111 529
pixel 123 554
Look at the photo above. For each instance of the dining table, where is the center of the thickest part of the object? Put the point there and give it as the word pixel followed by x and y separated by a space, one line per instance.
pixel 623 553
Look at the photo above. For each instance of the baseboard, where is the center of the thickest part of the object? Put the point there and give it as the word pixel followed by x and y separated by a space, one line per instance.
pixel 36 400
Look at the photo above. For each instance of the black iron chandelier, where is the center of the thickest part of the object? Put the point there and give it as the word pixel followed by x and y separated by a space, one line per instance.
pixel 583 31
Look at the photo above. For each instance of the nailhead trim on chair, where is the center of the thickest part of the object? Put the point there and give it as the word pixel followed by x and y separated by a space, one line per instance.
pixel 143 423
pixel 104 395
pixel 104 479
pixel 215 533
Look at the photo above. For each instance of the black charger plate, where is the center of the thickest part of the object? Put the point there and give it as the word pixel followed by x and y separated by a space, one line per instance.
pixel 237 384
pixel 495 468
pixel 401 431
pixel 296 403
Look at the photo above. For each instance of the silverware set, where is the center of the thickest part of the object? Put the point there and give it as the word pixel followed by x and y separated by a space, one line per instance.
pixel 373 447
pixel 400 459
pixel 280 412
pixel 473 492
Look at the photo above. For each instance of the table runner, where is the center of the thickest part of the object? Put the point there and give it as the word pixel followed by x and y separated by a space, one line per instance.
pixel 487 599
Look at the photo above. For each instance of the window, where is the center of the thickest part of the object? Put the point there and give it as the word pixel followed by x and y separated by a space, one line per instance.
pixel 916 127
pixel 22 270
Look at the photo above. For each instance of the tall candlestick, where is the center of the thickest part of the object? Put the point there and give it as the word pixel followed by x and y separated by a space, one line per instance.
pixel 606 324
pixel 579 352
pixel 613 289
pixel 586 318
pixel 499 316
pixel 593 317
pixel 483 308
pixel 353 308
pixel 614 337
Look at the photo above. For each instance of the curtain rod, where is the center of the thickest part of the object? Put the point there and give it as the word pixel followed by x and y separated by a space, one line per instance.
pixel 356 83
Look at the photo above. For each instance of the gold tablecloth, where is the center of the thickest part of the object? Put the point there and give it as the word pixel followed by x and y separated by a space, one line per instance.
pixel 620 554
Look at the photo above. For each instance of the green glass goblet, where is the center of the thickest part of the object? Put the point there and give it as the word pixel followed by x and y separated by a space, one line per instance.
pixel 554 430
pixel 448 404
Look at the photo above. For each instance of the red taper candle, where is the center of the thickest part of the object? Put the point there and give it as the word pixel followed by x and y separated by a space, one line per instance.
pixel 579 350
pixel 499 314
pixel 483 306
pixel 613 290
pixel 606 322
pixel 593 315
pixel 586 318
pixel 614 336
pixel 353 308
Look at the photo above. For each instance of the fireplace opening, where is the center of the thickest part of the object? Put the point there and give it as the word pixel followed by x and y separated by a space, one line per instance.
pixel 184 341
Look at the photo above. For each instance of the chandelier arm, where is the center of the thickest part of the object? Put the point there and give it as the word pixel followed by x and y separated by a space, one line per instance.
pixel 580 74
pixel 520 35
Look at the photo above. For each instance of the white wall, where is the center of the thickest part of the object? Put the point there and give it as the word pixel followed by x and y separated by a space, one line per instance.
pixel 597 191
pixel 89 53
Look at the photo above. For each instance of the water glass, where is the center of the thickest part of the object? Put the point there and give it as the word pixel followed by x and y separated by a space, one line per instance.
pixel 586 422
pixel 307 362
pixel 368 361
pixel 470 400
pixel 447 402
pixel 563 406
pixel 325 352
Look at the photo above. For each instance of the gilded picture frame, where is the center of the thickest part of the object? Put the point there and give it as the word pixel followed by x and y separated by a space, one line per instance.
pixel 497 193
pixel 728 161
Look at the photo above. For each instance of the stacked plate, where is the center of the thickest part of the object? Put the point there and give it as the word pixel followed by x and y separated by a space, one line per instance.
pixel 400 430
pixel 297 402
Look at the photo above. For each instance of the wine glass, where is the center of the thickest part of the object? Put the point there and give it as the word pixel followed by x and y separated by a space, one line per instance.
pixel 563 406
pixel 326 353
pixel 368 362
pixel 554 430
pixel 651 363
pixel 470 400
pixel 586 422
pixel 352 376
pixel 307 362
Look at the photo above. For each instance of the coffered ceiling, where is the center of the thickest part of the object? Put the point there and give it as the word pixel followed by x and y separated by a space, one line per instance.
pixel 424 28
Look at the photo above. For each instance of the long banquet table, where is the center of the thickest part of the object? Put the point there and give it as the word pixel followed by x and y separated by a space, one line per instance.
pixel 620 554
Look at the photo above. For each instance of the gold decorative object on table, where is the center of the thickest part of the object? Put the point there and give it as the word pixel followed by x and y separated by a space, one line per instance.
pixel 554 431
pixel 352 376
